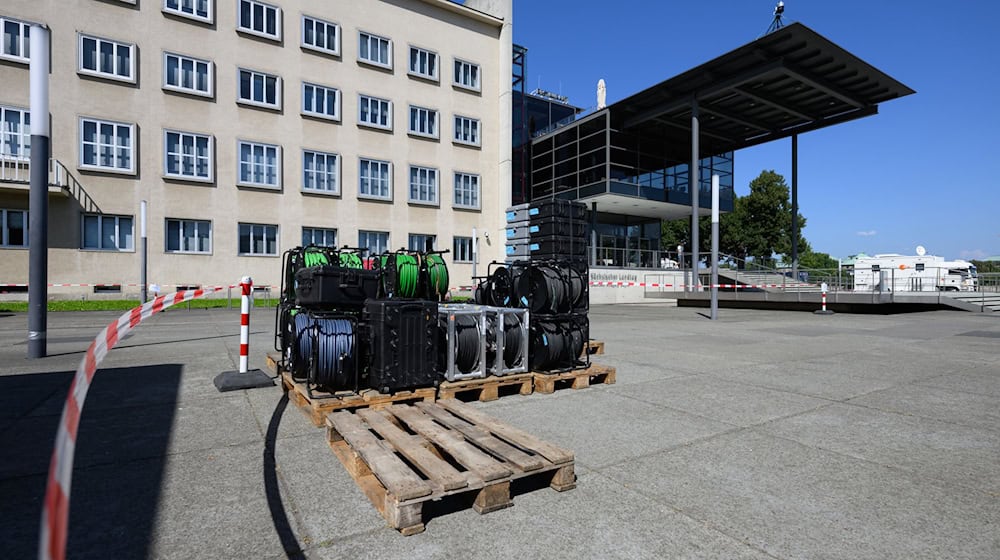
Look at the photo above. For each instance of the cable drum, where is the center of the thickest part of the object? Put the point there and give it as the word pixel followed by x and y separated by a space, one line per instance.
pixel 466 342
pixel 334 365
pixel 349 259
pixel 548 290
pixel 511 339
pixel 499 288
pixel 577 285
pixel 437 275
pixel 548 346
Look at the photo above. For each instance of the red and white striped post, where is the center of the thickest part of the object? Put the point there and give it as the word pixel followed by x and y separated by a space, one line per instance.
pixel 824 310
pixel 244 378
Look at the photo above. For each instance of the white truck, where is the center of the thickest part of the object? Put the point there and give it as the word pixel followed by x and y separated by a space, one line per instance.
pixel 918 273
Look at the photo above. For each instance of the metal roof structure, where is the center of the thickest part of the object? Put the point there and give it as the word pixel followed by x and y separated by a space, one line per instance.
pixel 788 82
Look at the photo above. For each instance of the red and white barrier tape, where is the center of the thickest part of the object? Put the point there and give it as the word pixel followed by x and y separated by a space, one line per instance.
pixel 55 509
pixel 63 285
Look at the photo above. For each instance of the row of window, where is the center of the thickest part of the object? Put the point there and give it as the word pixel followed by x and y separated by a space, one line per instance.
pixel 189 156
pixel 104 232
pixel 117 60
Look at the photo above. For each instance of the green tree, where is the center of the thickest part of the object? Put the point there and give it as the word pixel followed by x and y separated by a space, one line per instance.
pixel 817 261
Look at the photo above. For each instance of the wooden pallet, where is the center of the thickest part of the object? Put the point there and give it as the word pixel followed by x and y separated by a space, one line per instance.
pixel 579 379
pixel 323 403
pixel 449 448
pixel 487 388
pixel 595 347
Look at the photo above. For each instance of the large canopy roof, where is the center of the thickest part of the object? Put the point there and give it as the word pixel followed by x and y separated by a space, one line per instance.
pixel 788 82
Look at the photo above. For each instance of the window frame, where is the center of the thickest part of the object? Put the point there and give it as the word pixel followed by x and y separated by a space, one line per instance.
pixel 250 30
pixel 239 165
pixel 336 172
pixel 308 46
pixel 100 226
pixel 456 129
pixel 388 238
pixel 133 58
pixel 387 65
pixel 478 86
pixel 210 19
pixel 25 40
pixel 210 94
pixel 364 196
pixel 180 176
pixel 278 87
pixel 478 191
pixel 5 228
pixel 180 230
pixel 437 186
pixel 24 135
pixel 251 225
pixel 436 134
pixel 316 229
pixel 456 253
pixel 133 138
pixel 435 77
pixel 368 124
pixel 423 237
pixel 336 116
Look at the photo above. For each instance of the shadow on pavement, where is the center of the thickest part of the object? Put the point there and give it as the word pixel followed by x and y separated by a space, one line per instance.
pixel 121 451
pixel 278 515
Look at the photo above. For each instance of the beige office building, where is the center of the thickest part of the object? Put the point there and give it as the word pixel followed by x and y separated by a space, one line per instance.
pixel 252 127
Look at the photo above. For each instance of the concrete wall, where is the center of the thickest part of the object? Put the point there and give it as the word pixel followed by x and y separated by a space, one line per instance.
pixel 448 29
pixel 600 293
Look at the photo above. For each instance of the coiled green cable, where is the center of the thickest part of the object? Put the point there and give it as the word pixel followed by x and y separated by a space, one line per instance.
pixel 408 275
pixel 350 260
pixel 437 271
pixel 315 257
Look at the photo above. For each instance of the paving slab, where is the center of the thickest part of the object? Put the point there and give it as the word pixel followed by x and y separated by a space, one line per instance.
pixel 937 403
pixel 795 501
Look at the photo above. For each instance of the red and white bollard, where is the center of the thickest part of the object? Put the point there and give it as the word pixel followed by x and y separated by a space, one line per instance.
pixel 246 284
pixel 244 378
pixel 824 310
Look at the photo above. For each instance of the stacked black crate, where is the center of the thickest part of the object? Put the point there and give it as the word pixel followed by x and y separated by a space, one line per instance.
pixel 546 255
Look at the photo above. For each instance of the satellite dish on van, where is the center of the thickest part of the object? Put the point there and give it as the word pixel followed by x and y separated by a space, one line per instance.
pixel 921 251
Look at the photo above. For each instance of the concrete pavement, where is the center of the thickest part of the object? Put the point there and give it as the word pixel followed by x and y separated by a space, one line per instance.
pixel 762 435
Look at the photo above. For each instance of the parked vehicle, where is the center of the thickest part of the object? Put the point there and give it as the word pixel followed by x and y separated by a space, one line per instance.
pixel 917 273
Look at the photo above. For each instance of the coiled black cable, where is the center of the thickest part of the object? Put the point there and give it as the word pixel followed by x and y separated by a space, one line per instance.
pixel 576 283
pixel 512 350
pixel 548 346
pixel 334 364
pixel 500 288
pixel 548 289
pixel 466 343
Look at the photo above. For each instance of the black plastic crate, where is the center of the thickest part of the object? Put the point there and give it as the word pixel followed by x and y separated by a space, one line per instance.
pixel 558 208
pixel 558 246
pixel 402 344
pixel 334 286
pixel 542 227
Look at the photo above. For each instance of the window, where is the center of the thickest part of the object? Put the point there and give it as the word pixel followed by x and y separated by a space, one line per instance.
pixel 258 239
pixel 322 237
pixel 419 242
pixel 377 242
pixel 107 146
pixel 466 190
pixel 466 131
pixel 462 249
pixel 107 59
pixel 258 88
pixel 102 232
pixel 187 155
pixel 13 228
pixel 320 101
pixel 202 10
pixel 189 236
pixel 423 185
pixel 260 165
pixel 374 50
pixel 188 75
pixel 375 179
pixel 15 133
pixel 374 112
pixel 423 122
pixel 258 18
pixel 319 35
pixel 423 63
pixel 320 172
pixel 920 267
pixel 466 75
pixel 15 44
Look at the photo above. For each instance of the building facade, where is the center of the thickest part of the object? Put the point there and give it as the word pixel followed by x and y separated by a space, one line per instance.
pixel 252 127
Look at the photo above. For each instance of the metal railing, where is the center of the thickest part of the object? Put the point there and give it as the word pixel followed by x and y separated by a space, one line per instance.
pixel 18 170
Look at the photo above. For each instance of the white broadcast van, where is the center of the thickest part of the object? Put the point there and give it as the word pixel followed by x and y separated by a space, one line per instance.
pixel 918 273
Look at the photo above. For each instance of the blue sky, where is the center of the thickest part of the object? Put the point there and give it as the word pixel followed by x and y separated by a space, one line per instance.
pixel 924 171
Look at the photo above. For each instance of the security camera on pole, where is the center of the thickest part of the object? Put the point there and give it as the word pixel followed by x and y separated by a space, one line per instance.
pixel 244 378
